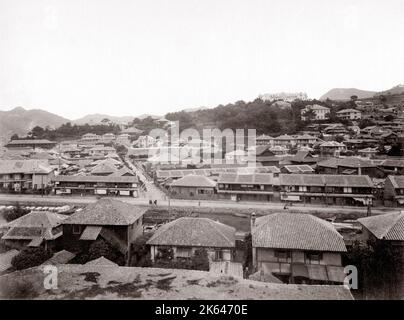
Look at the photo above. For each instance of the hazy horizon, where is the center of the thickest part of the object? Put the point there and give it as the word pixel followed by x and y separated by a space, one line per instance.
pixel 127 58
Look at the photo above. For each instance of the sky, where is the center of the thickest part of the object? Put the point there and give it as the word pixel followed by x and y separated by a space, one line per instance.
pixel 130 57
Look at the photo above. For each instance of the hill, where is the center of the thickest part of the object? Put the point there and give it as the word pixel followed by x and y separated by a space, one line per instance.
pixel 97 118
pixel 399 89
pixel 346 94
pixel 21 121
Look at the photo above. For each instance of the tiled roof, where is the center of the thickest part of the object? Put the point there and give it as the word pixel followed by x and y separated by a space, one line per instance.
pixel 296 231
pixel 397 181
pixel 393 163
pixel 329 180
pixel 122 172
pixel 101 261
pixel 258 178
pixel 192 180
pixel 60 257
pixel 389 226
pixel 348 111
pixel 350 162
pixel 332 144
pixel 24 166
pixel 31 141
pixel 34 224
pixel 195 232
pixel 111 179
pixel 300 168
pixel 108 212
pixel 104 168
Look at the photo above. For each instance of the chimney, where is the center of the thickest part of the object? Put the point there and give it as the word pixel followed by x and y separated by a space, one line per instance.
pixel 252 220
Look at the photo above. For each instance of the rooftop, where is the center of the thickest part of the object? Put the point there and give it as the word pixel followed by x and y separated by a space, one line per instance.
pixel 328 180
pixel 389 226
pixel 25 166
pixel 143 283
pixel 296 231
pixel 257 178
pixel 110 179
pixel 195 232
pixel 192 180
pixel 107 212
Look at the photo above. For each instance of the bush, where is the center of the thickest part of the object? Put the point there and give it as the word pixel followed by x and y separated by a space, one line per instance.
pixel 15 213
pixel 140 252
pixel 199 261
pixel 98 249
pixel 30 257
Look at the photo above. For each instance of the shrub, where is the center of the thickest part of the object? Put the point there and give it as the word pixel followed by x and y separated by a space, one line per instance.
pixel 140 252
pixel 97 249
pixel 15 213
pixel 200 260
pixel 30 257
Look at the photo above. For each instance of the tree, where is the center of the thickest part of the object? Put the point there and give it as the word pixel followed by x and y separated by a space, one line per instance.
pixel 354 98
pixel 106 121
pixel 200 260
pixel 37 132
pixel 309 115
pixel 30 257
pixel 14 137
pixel 395 150
pixel 140 252
pixel 15 213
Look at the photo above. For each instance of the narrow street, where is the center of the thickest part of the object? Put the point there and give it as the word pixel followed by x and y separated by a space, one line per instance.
pixel 151 192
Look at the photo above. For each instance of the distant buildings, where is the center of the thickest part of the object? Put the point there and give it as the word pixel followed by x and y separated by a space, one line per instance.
pixel 289 97
pixel 30 144
pixel 349 114
pixel 191 186
pixel 24 175
pixel 90 138
pixel 258 187
pixel 326 189
pixel 319 112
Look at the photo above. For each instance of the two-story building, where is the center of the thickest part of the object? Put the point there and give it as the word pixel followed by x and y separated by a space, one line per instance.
pixel 185 235
pixel 35 229
pixel 97 185
pixel 23 175
pixel 394 191
pixel 30 144
pixel 327 188
pixel 349 114
pixel 116 222
pixel 193 186
pixel 297 248
pixel 319 112
pixel 255 187
pixel 388 228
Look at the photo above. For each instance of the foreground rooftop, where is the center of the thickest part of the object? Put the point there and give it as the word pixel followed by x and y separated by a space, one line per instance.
pixel 110 282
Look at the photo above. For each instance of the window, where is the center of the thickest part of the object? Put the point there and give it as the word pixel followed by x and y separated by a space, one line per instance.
pixel 218 255
pixel 76 229
pixel 313 257
pixel 282 255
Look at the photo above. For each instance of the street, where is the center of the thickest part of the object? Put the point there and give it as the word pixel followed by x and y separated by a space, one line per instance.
pixel 58 200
